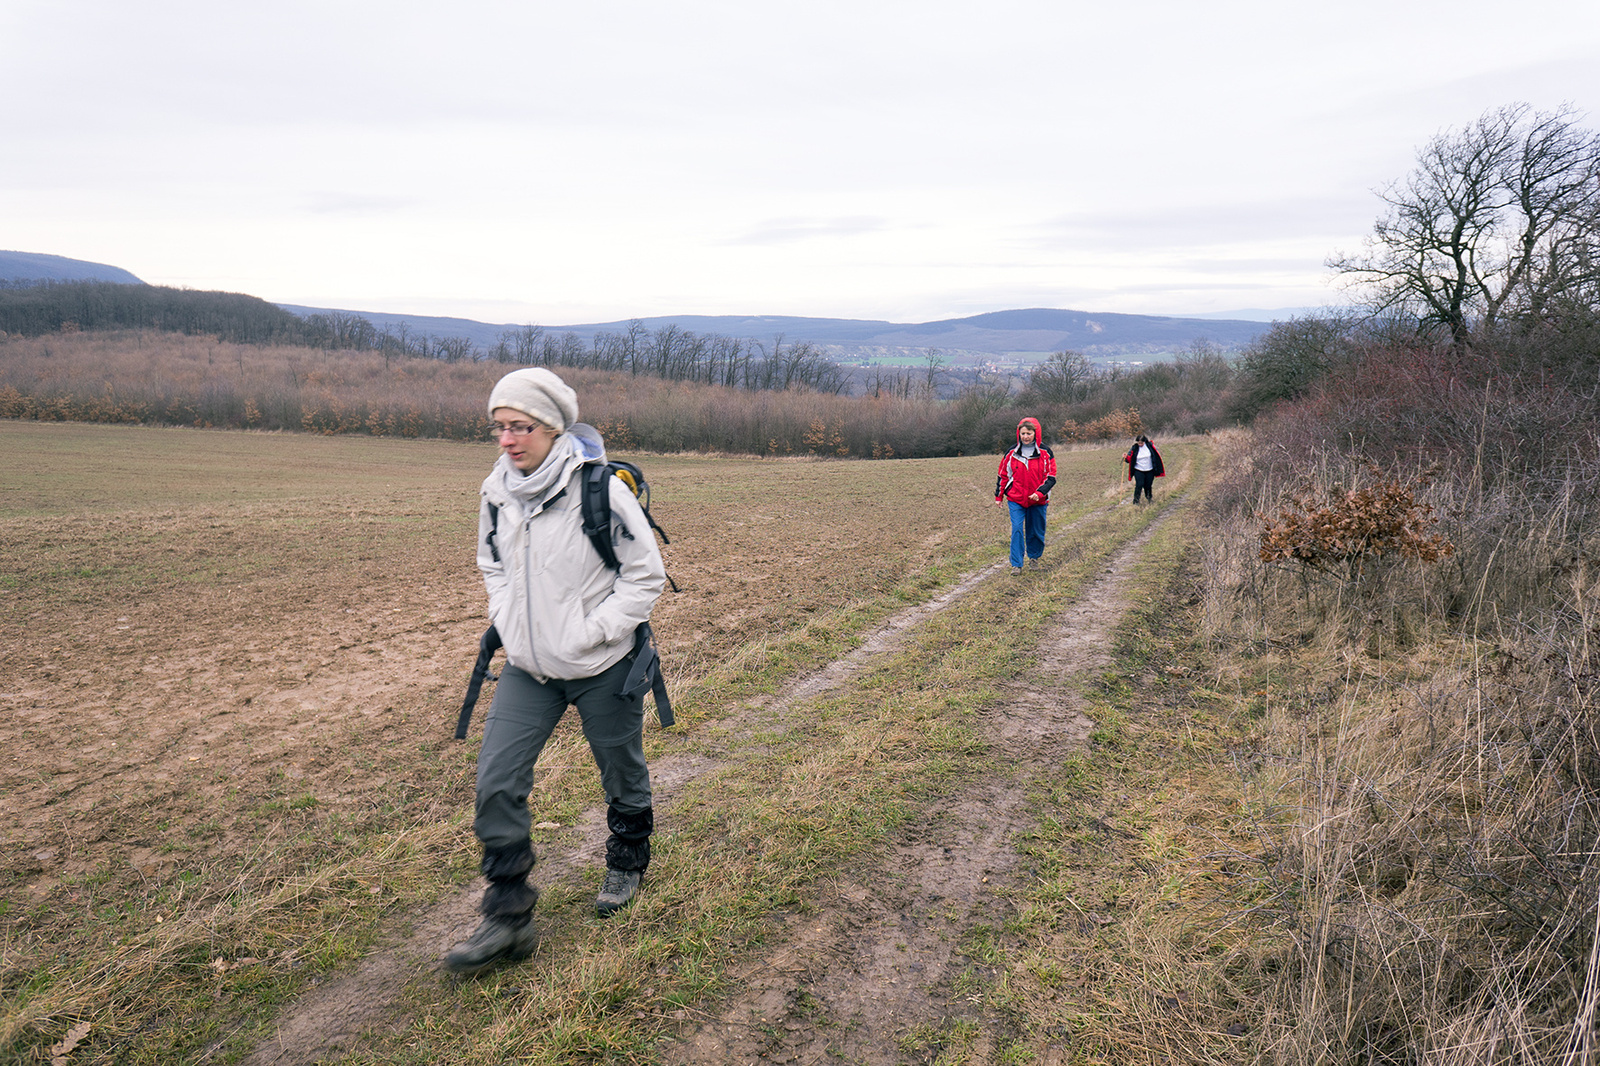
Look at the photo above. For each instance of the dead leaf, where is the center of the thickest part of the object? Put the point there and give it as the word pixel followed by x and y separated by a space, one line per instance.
pixel 74 1037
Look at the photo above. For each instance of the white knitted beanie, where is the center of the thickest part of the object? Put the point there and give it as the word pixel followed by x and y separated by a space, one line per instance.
pixel 539 394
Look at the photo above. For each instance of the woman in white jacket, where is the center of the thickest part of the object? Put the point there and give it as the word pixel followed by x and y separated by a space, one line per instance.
pixel 567 622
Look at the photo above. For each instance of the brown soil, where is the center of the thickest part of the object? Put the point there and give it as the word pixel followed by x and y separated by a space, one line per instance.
pixel 202 678
pixel 875 960
pixel 870 963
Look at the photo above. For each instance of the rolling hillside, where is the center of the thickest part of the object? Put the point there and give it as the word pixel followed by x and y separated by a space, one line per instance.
pixel 30 268
pixel 999 336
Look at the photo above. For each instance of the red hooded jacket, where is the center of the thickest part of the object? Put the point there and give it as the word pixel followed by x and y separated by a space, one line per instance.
pixel 1020 478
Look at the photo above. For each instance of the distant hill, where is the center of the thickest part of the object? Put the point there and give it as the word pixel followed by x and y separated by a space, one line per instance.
pixel 1021 336
pixel 998 337
pixel 31 268
pixel 1262 314
pixel 32 308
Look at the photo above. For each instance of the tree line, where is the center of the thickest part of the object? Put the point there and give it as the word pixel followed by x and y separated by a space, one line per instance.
pixel 675 354
pixel 669 352
pixel 1074 398
pixel 68 306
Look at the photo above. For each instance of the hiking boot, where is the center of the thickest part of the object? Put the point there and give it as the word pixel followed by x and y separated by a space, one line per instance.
pixel 1015 570
pixel 496 939
pixel 1034 564
pixel 617 890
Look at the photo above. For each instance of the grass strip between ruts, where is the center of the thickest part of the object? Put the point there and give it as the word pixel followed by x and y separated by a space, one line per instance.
pixel 793 803
pixel 1118 949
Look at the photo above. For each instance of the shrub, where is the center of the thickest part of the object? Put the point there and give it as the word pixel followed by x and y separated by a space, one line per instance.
pixel 1340 530
pixel 1289 359
pixel 1113 426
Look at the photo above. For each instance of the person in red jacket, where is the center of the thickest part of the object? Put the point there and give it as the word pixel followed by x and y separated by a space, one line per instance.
pixel 1027 474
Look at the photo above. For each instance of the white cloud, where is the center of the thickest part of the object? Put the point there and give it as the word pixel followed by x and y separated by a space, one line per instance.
pixel 591 162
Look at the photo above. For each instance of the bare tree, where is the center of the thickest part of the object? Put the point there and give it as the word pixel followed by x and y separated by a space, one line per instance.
pixel 1065 377
pixel 636 347
pixel 883 381
pixel 936 364
pixel 828 376
pixel 664 345
pixel 792 366
pixel 1499 221
pixel 724 356
pixel 525 342
pixel 455 349
pixel 610 351
pixel 347 331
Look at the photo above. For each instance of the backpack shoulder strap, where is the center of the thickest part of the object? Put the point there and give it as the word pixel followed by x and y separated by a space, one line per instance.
pixel 596 507
pixel 494 527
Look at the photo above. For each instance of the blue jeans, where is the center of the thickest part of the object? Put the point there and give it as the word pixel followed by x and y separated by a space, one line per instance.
pixel 1027 531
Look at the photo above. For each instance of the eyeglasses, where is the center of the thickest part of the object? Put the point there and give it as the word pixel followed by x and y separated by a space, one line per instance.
pixel 516 429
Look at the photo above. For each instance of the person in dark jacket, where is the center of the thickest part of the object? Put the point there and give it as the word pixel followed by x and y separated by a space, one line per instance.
pixel 1027 474
pixel 1144 466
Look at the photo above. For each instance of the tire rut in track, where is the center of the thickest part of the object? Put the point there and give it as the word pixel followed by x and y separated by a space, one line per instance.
pixel 856 949
pixel 877 962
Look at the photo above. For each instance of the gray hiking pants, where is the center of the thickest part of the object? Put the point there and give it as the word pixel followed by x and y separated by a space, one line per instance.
pixel 524 713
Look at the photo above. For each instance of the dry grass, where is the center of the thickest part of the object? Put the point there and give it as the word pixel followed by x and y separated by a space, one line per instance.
pixel 1328 821
pixel 1421 766
pixel 234 661
pixel 1119 947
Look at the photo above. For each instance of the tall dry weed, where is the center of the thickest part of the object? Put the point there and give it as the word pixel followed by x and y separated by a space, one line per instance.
pixel 1428 774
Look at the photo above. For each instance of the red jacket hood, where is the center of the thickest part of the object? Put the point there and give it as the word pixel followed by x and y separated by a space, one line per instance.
pixel 1038 431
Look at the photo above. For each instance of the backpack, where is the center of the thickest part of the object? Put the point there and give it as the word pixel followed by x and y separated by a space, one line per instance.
pixel 595 507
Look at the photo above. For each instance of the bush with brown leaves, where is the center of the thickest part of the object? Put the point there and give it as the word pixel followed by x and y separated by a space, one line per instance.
pixel 1338 530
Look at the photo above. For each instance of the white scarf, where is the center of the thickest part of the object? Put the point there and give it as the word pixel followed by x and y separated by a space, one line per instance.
pixel 531 489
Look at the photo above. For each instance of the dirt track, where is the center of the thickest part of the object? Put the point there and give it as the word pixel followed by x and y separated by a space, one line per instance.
pixel 209 681
pixel 872 961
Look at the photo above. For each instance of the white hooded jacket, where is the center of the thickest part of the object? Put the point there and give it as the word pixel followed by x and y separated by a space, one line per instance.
pixel 560 611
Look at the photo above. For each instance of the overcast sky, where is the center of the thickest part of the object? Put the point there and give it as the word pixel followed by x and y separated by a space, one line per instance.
pixel 572 162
